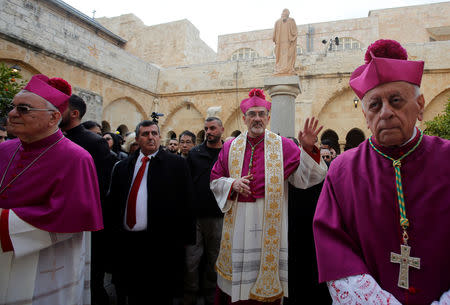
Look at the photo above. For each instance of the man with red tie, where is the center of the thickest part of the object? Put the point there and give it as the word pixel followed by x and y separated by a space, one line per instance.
pixel 148 205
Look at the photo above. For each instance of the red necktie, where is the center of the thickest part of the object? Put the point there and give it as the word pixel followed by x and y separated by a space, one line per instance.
pixel 131 207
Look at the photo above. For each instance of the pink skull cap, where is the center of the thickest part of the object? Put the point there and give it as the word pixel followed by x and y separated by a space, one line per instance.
pixel 256 99
pixel 386 61
pixel 55 90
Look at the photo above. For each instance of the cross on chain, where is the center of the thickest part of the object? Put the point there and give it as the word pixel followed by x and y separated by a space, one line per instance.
pixel 53 271
pixel 405 262
pixel 255 230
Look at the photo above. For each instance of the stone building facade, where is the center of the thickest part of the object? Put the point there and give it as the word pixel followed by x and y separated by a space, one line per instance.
pixel 127 70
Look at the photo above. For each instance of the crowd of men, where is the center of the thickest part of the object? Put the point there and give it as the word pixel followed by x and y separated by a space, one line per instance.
pixel 253 219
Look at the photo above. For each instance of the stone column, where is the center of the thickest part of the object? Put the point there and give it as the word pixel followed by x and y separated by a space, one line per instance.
pixel 283 90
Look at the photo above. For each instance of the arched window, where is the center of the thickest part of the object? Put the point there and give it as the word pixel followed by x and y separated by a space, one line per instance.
pixel 346 43
pixel 354 137
pixel 244 53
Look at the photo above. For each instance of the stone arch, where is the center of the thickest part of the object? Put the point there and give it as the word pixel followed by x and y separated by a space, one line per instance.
pixel 340 114
pixel 435 106
pixel 26 70
pixel 333 137
pixel 244 54
pixel 353 138
pixel 124 111
pixel 183 118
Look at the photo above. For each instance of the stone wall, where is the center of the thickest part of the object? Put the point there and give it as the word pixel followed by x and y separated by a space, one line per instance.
pixel 412 24
pixel 170 44
pixel 47 27
pixel 324 82
pixel 47 37
pixel 309 39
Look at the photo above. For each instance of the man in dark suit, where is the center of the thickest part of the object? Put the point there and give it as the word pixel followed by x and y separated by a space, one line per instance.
pixel 149 206
pixel 98 149
pixel 209 217
pixel 93 143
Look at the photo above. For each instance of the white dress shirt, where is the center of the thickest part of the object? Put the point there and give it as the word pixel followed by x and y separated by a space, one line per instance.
pixel 142 196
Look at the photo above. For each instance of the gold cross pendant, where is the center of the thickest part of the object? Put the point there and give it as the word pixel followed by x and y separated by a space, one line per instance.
pixel 405 262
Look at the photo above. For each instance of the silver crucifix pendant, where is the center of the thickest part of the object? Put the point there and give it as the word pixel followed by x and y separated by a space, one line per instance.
pixel 405 262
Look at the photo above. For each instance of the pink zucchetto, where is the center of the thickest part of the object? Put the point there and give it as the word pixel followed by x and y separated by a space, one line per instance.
pixel 256 99
pixel 55 90
pixel 386 61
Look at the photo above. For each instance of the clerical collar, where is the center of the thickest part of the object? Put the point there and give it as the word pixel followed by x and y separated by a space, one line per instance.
pixel 42 143
pixel 397 152
pixel 255 140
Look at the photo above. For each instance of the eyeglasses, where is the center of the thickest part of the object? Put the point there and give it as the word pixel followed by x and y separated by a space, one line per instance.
pixel 25 109
pixel 326 157
pixel 252 114
pixel 2 137
pixel 107 138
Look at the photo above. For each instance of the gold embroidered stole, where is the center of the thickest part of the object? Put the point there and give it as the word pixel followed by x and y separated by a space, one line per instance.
pixel 224 264
pixel 267 286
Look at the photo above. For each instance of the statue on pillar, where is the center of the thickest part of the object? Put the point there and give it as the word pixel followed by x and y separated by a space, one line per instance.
pixel 285 39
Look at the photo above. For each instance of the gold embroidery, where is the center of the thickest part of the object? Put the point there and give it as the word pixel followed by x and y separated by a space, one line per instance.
pixel 267 287
pixel 224 264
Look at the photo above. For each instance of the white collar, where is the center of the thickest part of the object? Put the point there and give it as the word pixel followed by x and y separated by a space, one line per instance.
pixel 141 155
pixel 413 136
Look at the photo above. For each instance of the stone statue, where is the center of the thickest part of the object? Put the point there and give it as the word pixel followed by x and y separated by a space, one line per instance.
pixel 285 39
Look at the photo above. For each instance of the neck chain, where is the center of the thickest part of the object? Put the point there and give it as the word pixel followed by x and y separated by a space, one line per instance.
pixel 250 165
pixel 403 259
pixel 29 165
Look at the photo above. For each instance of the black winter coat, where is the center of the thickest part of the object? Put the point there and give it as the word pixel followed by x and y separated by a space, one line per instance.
pixel 169 198
pixel 200 164
pixel 98 148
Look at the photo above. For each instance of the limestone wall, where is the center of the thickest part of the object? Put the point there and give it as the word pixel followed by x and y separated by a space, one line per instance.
pixel 415 23
pixel 47 27
pixel 46 37
pixel 324 81
pixel 170 44
pixel 310 37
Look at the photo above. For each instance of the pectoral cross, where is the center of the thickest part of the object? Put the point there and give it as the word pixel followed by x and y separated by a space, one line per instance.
pixel 405 262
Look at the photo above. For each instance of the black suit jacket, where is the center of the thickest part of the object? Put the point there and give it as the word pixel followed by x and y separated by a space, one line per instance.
pixel 98 148
pixel 169 199
pixel 200 163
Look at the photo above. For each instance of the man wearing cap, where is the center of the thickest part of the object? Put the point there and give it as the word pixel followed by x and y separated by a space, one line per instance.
pixel 380 225
pixel 249 181
pixel 44 218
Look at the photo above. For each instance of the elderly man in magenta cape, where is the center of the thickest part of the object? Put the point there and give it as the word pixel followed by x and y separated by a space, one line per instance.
pixel 49 199
pixel 381 223
pixel 249 181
